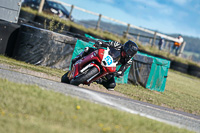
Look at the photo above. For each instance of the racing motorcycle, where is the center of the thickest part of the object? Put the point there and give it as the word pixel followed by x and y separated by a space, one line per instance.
pixel 92 67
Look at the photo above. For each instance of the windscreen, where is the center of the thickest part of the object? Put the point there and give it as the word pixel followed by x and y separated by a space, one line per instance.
pixel 115 54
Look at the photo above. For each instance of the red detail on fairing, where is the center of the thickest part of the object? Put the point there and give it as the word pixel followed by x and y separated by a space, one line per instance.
pixel 76 70
pixel 111 69
pixel 100 54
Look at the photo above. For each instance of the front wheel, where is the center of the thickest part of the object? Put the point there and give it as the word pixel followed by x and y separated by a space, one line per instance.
pixel 65 79
pixel 83 77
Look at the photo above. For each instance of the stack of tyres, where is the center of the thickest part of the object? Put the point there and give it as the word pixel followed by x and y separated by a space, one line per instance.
pixel 8 37
pixel 26 15
pixel 194 70
pixel 43 47
pixel 178 66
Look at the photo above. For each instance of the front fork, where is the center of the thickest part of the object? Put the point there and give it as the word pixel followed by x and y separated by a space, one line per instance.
pixel 89 66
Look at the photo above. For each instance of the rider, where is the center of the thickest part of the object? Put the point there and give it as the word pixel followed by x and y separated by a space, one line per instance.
pixel 128 50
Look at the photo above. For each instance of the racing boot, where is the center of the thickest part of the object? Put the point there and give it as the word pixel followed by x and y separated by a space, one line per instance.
pixel 109 82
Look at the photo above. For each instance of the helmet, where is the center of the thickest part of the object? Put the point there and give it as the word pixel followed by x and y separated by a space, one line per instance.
pixel 130 48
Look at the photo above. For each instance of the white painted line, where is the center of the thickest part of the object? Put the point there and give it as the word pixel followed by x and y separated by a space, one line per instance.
pixel 102 100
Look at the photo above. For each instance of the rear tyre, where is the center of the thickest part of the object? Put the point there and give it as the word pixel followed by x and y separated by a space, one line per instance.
pixel 65 79
pixel 83 77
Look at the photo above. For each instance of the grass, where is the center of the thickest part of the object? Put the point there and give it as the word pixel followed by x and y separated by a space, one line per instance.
pixel 20 64
pixel 30 10
pixel 182 91
pixel 28 108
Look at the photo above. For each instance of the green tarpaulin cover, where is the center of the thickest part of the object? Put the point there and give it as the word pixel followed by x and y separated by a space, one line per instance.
pixel 158 74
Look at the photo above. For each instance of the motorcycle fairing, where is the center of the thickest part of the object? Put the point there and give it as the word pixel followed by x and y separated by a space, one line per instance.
pixel 99 55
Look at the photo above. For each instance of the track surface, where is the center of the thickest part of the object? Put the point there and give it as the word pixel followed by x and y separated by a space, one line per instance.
pixel 169 116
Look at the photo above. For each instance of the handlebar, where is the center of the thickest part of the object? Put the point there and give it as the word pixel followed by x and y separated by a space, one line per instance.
pixel 100 44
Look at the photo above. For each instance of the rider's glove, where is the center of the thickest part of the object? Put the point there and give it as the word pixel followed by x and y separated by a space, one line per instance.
pixel 98 43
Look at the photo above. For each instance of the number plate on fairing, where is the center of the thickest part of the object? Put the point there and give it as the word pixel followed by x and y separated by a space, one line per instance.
pixel 108 60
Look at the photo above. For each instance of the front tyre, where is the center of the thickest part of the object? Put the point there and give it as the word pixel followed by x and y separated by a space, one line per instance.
pixel 65 79
pixel 83 77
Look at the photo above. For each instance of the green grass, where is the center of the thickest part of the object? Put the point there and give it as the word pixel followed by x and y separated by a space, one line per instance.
pixel 28 108
pixel 30 10
pixel 182 91
pixel 20 64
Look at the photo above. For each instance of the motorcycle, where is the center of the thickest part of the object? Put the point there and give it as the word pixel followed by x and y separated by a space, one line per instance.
pixel 92 67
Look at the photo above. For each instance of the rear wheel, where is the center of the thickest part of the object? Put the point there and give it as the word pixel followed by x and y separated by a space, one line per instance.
pixel 83 77
pixel 65 79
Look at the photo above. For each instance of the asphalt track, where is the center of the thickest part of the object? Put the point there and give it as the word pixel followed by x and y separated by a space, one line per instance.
pixel 162 114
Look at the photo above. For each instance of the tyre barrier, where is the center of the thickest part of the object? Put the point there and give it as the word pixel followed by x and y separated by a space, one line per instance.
pixel 42 20
pixel 178 66
pixel 43 47
pixel 194 70
pixel 8 36
pixel 146 52
pixel 77 31
pixel 27 15
pixel 29 22
pixel 185 68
